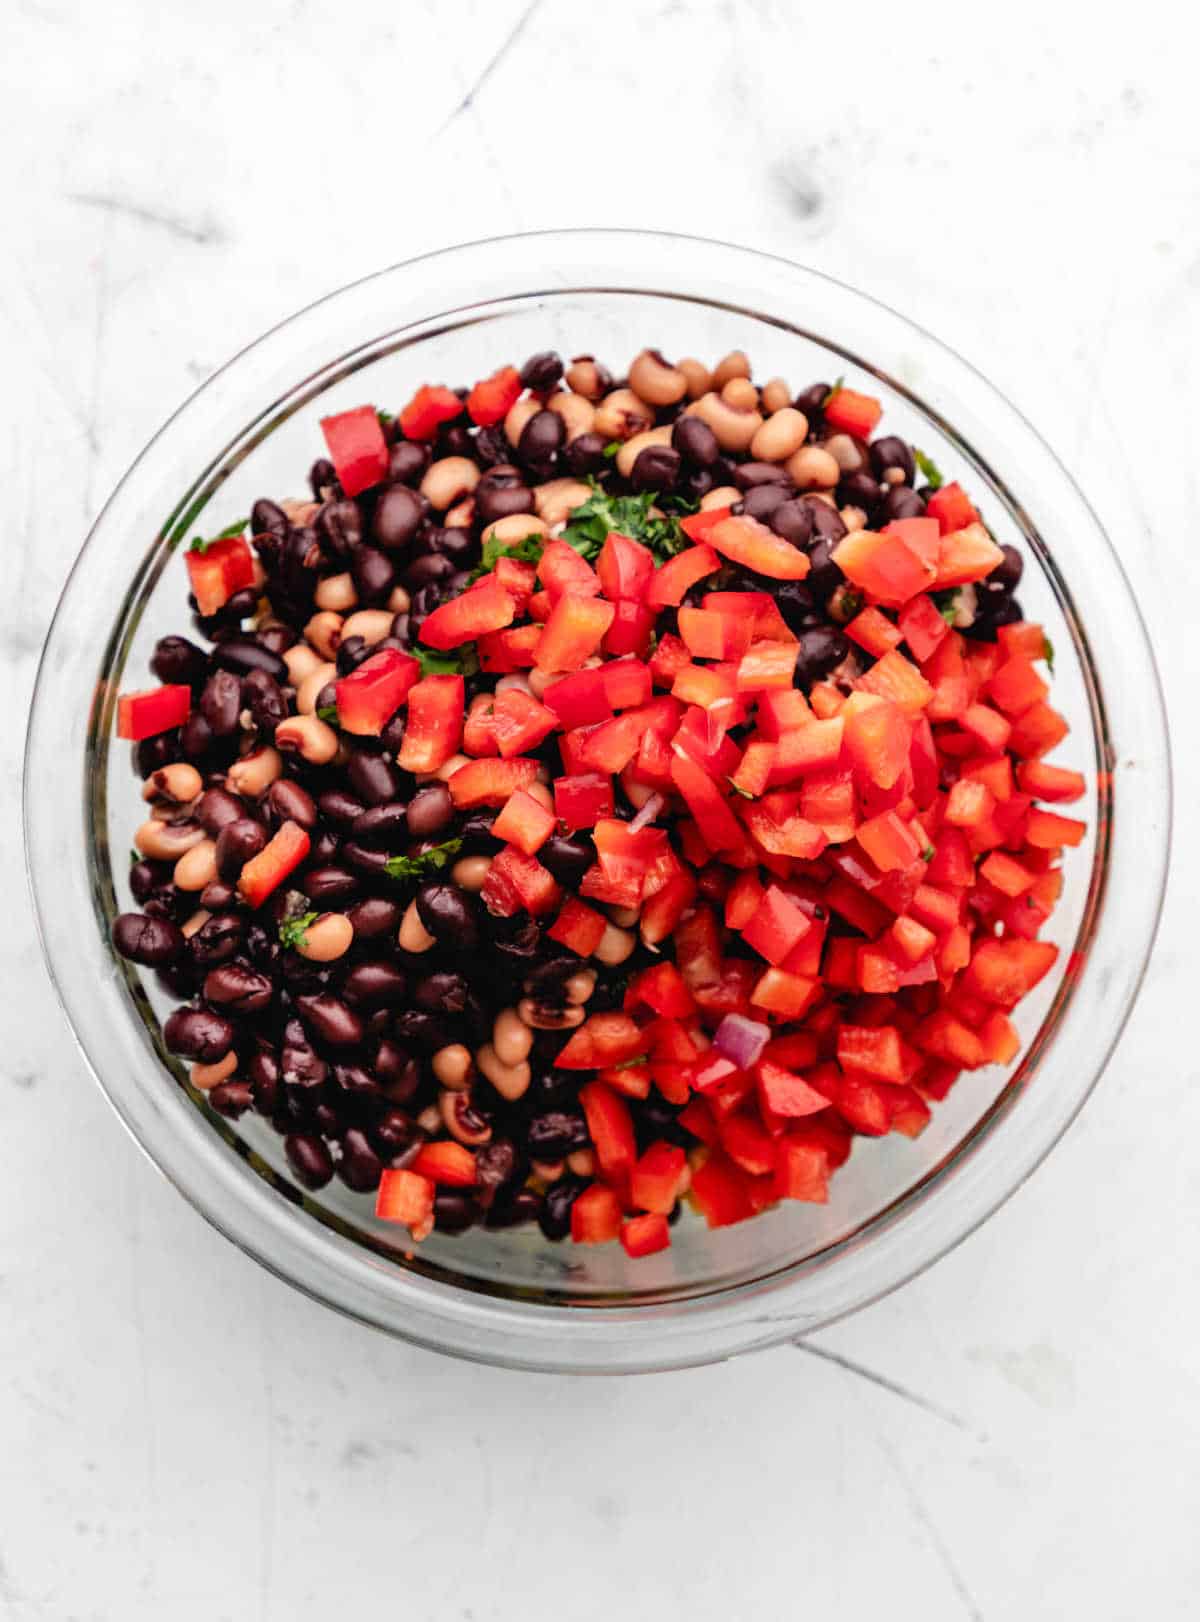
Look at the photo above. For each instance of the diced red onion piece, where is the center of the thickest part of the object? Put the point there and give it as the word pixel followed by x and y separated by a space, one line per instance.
pixel 741 1040
pixel 647 814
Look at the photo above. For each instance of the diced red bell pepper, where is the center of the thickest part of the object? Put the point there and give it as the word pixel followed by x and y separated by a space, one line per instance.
pixel 875 1051
pixel 788 834
pixel 502 652
pixel 645 1235
pixel 630 1080
pixel 969 804
pixel 1017 685
pixel 945 1037
pixel 492 398
pixel 864 1106
pixel 952 508
pixel 434 726
pixel 759 607
pixel 784 1093
pixel 565 574
pixel 788 996
pixel 517 577
pixel 603 1039
pixel 752 545
pixel 662 988
pixel 281 855
pixel 781 712
pixel 612 745
pixel 217 572
pixel 579 802
pixel 847 411
pixel 578 927
pixel 447 1164
pixel 909 940
pixel 662 912
pixel 405 1197
pixel 357 448
pixel 801 1171
pixel 776 927
pixel 625 567
pixel 679 574
pixel 158 709
pixel 700 525
pixel 896 678
pixel 429 408
pixel 520 722
pixel 1004 971
pixel 596 1216
pixel 707 635
pixel 573 632
pixel 876 633
pixel 524 822
pixel 748 1144
pixel 922 626
pixel 513 874
pixel 627 856
pixel 1046 830
pixel 654 1183
pixel 768 666
pixel 627 683
pixel 721 1190
pixel 1054 783
pixel 609 1124
pixel 372 693
pixel 884 565
pixel 966 555
pixel 811 747
pixel 889 842
pixel 668 659
pixel 877 739
pixel 479 731
pixel 718 826
pixel 487 782
pixel 754 771
pixel 1037 731
pixel 1007 874
pixel 487 607
pixel 580 700
pixel 630 630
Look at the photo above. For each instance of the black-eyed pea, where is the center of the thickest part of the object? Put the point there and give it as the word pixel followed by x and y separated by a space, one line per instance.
pixel 323 632
pixel 724 495
pixel 196 867
pixel 413 936
pixel 580 987
pixel 654 379
pixel 697 375
pixel 518 415
pixel 813 468
pixel 516 527
pixel 853 517
pixel 166 842
pixel 615 946
pixel 328 938
pixel 453 1066
pixel 469 872
pixel 178 783
pixel 582 1162
pixel 741 394
pixel 448 768
pixel 585 377
pixel 515 682
pixel 204 1077
pixel 461 515
pixel 512 1038
pixel 539 680
pixel 301 661
pixel 555 499
pixel 633 448
pixel 776 394
pixel 734 428
pixel 461 1119
pixel 548 1171
pixel 578 413
pixel 309 737
pixel 847 452
pixel 735 364
pixel 336 591
pixel 511 1081
pixel 448 480
pixel 622 414
pixel 253 774
pixel 783 433
pixel 624 917
pixel 372 624
pixel 399 602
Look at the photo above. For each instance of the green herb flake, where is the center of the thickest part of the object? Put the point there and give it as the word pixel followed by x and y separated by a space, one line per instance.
pixel 328 713
pixel 528 550
pixel 744 792
pixel 134 858
pixel 293 932
pixel 432 861
pixel 630 1064
pixel 386 418
pixel 591 523
pixel 199 544
pixel 928 853
pixel 1048 653
pixel 839 384
pixel 930 471
pixel 463 661
pixel 611 449
pixel 947 604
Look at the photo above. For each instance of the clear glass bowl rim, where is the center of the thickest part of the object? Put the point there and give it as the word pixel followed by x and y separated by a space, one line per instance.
pixel 910 1235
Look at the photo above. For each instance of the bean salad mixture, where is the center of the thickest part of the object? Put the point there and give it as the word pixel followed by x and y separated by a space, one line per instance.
pixel 601 796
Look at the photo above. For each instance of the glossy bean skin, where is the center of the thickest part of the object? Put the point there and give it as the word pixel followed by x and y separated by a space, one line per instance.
pixel 152 942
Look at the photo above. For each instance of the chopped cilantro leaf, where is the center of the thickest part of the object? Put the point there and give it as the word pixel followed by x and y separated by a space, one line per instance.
pixel 630 1064
pixel 928 853
pixel 611 449
pixel 386 418
pixel 328 713
pixel 744 792
pixel 528 550
pixel 293 931
pixel 416 867
pixel 1048 653
pixel 463 661
pixel 592 521
pixel 838 384
pixel 134 858
pixel 201 545
pixel 947 604
pixel 930 471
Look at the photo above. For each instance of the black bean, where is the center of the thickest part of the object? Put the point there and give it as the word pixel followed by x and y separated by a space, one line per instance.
pixel 351 652
pixel 217 939
pixel 454 1211
pixel 427 571
pixel 376 984
pixel 146 876
pixel 330 1020
pixel 826 521
pixel 340 808
pixel 397 1138
pixel 696 485
pixel 374 574
pixel 491 446
pixel 339 529
pixel 443 992
pixel 221 703
pixel 501 498
pixel 242 654
pixel 554 1218
pixel 406 464
pixel 901 502
pixel 1006 576
pixel 195 739
pixel 496 1164
pixel 176 660
pixel 584 455
pixel 695 442
pixel 540 442
pixel 822 648
pixel 556 1134
pixel 287 801
pixel 330 886
pixel 458 545
pixel 198 1033
pixel 309 1158
pixel 325 847
pixel 262 945
pixel 276 638
pixel 811 401
pixel 359 1167
pixel 746 475
pixel 374 916
pixel 237 842
pixel 762 501
pixel 264 698
pixel 301 1068
pixel 266 518
pixel 372 778
pixel 449 914
pixel 511 1210
pixel 568 857
pixel 264 1079
pixel 322 476
pixel 383 825
pixel 792 519
pixel 216 808
pixel 456 441
pixel 363 859
pixel 656 468
pixel 859 490
pixel 795 602
pixel 238 986
pixel 148 940
pixel 149 754
pixel 417 1028
pixel 891 452
pixel 542 371
pixel 169 902
pixel 232 1098
pixel 429 811
pixel 824 576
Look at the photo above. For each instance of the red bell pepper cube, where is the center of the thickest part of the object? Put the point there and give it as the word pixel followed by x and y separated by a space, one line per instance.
pixel 923 763
pixel 934 908
pixel 625 567
pixel 573 632
pixel 281 855
pixel 405 1197
pixel 517 882
pixel 767 666
pixel 873 1050
pixel 721 1190
pixel 1016 686
pixel 782 712
pixel 492 398
pixel 1046 830
pixel 596 1216
pixel 449 1165
pixel 996 773
pixel 654 1183
pixel 158 709
pixel 952 508
pixel 969 804
pixel 921 625
pixel 788 996
pixel 788 835
pixel 1023 637
pixel 217 572
pixel 626 856
pixel 487 782
pixel 752 545
pixel 776 926
pixel 708 687
pixel 966 555
pixel 429 408
pixel 910 941
pixel 653 764
pixel 357 448
pixel 827 801
pixel 372 693
pixel 759 607
pixel 479 729
pixel 679 574
pixel 947 1038
pixel 877 740
pixel 811 747
pixel 662 988
pixel 578 928
pixel 668 659
pixel 1007 874
pixel 434 726
pixel 748 1144
pixel 663 911
pixel 801 1171
pixel 1001 1041
pixel 487 607
pixel 603 1039
pixel 718 826
pixel 883 565
pixel 610 1126
pixel 630 630
pixel 754 770
pixel 889 842
pixel 627 683
pixel 517 578
pixel 580 700
pixel 708 635
pixel 612 745
pixel 782 1092
pixel 909 1111
pixel 875 632
pixel 565 574
pixel 1038 730
pixel 896 678
pixel 503 652
pixel 847 411
pixel 524 822
pixel 864 1106
pixel 520 722
pixel 1054 783
pixel 699 526
pixel 645 1235
pixel 580 801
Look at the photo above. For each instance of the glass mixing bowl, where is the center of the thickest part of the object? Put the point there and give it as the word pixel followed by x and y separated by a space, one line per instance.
pixel 512 1297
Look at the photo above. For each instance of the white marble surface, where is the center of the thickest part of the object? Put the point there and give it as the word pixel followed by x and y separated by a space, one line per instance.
pixel 183 1437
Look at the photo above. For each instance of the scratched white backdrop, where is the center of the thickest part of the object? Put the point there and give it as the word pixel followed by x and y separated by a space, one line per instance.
pixel 1017 1435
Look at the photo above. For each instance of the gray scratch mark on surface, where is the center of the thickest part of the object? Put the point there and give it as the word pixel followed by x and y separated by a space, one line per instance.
pixel 921 1512
pixel 885 1384
pixel 93 405
pixel 489 68
pixel 176 225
